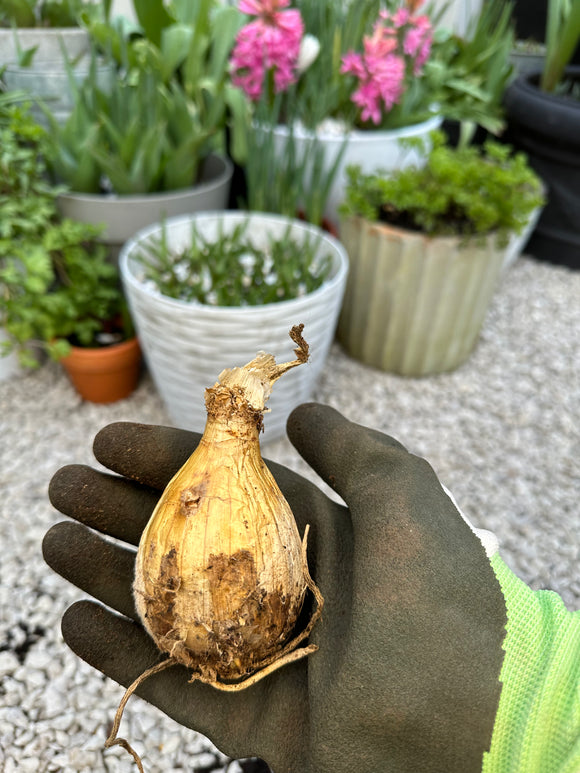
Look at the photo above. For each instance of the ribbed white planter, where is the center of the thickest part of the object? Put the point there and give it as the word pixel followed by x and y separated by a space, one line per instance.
pixel 46 77
pixel 48 43
pixel 187 345
pixel 414 305
pixel 372 150
pixel 48 80
pixel 124 216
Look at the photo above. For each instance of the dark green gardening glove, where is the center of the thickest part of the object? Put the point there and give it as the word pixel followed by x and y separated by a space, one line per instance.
pixel 410 643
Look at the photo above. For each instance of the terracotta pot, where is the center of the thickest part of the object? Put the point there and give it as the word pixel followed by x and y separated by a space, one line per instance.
pixel 107 374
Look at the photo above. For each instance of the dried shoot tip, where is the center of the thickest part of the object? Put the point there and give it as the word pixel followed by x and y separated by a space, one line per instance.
pixel 257 377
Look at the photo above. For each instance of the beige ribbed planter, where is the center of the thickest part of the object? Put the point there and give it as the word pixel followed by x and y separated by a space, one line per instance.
pixel 414 305
pixel 186 345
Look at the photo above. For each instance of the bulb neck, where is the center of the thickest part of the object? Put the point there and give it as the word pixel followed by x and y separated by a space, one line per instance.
pixel 230 417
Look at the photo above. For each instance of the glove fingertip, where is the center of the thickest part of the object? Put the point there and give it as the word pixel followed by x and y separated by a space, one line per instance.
pixel 111 643
pixel 109 438
pixel 146 453
pixel 73 625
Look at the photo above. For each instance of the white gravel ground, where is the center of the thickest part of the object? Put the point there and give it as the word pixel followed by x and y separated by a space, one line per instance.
pixel 502 433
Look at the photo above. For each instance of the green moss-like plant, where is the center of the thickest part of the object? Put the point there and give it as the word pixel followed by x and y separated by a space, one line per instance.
pixel 459 191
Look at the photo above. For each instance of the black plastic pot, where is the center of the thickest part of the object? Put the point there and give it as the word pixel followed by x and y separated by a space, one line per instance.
pixel 547 128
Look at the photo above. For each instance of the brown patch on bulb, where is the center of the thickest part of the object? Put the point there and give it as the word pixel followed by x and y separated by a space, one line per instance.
pixel 191 497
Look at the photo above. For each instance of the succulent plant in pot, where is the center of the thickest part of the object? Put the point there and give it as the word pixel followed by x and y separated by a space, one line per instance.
pixel 41 13
pixel 209 289
pixel 153 143
pixel 427 247
pixel 58 292
pixel 38 28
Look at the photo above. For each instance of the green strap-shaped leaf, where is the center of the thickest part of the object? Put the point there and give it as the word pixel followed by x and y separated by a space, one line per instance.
pixel 153 17
pixel 175 43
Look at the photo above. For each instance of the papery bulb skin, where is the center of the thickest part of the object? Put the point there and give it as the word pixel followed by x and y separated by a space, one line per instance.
pixel 220 578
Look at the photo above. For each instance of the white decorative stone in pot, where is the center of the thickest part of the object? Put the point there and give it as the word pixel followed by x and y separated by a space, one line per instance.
pixel 187 345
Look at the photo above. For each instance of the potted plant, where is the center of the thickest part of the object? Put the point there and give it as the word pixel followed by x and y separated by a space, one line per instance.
pixel 353 79
pixel 58 292
pixel 316 95
pixel 64 297
pixel 209 289
pixel 427 247
pixel 37 38
pixel 527 56
pixel 39 28
pixel 543 112
pixel 151 144
pixel 468 74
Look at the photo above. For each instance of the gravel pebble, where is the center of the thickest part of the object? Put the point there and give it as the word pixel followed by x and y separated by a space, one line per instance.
pixel 501 432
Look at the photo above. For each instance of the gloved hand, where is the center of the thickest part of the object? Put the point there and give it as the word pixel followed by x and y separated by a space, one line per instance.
pixel 410 642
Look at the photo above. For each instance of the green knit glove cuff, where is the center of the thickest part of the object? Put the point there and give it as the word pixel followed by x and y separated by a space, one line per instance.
pixel 537 727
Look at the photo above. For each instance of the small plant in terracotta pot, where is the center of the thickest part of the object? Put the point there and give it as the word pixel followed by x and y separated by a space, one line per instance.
pixel 58 291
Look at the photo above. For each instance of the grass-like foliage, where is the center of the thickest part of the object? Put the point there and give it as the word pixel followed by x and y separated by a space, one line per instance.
pixel 233 270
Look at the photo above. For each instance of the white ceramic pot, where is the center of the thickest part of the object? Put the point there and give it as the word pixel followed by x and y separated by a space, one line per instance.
pixel 124 216
pixel 527 62
pixel 48 80
pixel 187 345
pixel 414 305
pixel 517 242
pixel 372 150
pixel 9 365
pixel 48 43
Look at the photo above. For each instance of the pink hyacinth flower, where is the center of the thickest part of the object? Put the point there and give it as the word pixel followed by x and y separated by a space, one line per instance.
pixel 271 42
pixel 263 8
pixel 352 64
pixel 400 17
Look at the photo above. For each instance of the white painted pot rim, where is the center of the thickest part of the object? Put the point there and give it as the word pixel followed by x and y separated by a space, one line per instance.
pixel 362 135
pixel 199 188
pixel 47 66
pixel 232 215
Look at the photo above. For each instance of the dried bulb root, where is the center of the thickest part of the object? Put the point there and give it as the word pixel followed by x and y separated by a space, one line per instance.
pixel 221 572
